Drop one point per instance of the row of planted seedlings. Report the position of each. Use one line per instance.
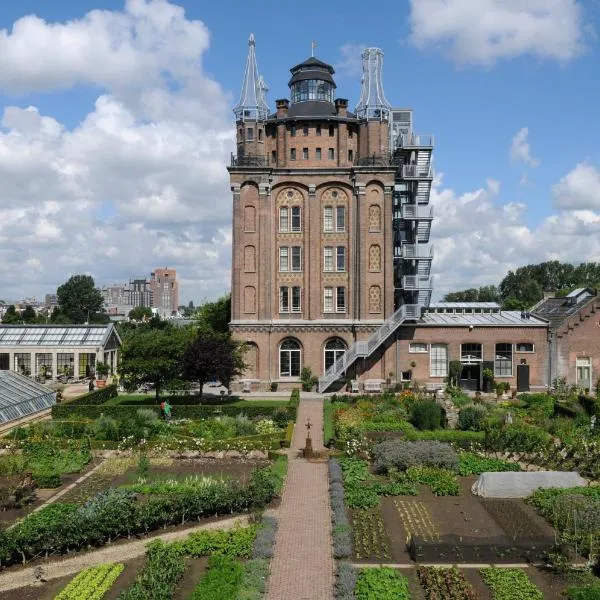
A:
(236, 567)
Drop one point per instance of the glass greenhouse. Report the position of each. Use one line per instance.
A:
(20, 396)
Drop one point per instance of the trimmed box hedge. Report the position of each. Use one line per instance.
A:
(99, 396)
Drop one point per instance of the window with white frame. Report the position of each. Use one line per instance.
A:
(340, 258)
(328, 218)
(418, 347)
(524, 347)
(438, 357)
(334, 350)
(471, 353)
(289, 359)
(284, 222)
(296, 258)
(284, 258)
(289, 299)
(296, 215)
(503, 360)
(328, 258)
(290, 219)
(583, 367)
(334, 299)
(340, 218)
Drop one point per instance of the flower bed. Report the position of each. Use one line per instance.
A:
(92, 583)
(510, 584)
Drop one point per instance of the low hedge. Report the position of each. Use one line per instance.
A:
(460, 439)
(289, 434)
(193, 412)
(99, 396)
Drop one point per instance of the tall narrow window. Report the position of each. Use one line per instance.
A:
(318, 153)
(331, 130)
(293, 131)
(284, 299)
(350, 155)
(328, 300)
(503, 363)
(292, 153)
(305, 153)
(305, 130)
(250, 134)
(284, 224)
(340, 218)
(296, 218)
(296, 258)
(583, 366)
(318, 130)
(328, 218)
(438, 365)
(289, 359)
(328, 258)
(334, 350)
(340, 258)
(340, 300)
(284, 259)
(331, 154)
(260, 135)
(296, 299)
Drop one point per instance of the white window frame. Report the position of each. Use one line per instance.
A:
(289, 352)
(284, 259)
(340, 210)
(340, 253)
(433, 357)
(532, 351)
(284, 219)
(418, 348)
(336, 352)
(328, 215)
(296, 257)
(328, 302)
(328, 259)
(295, 228)
(583, 362)
(501, 362)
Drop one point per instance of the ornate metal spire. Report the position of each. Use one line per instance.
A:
(252, 105)
(372, 104)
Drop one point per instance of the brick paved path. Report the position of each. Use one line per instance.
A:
(302, 567)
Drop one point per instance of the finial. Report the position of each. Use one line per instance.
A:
(252, 105)
(251, 40)
(313, 45)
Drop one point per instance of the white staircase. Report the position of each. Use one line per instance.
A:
(365, 348)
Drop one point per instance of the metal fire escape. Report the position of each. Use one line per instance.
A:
(412, 215)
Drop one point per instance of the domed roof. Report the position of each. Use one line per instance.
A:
(312, 63)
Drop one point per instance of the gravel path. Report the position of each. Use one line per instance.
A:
(111, 553)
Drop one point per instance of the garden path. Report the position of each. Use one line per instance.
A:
(303, 567)
(120, 552)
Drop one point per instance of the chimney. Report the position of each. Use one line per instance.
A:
(341, 107)
(282, 106)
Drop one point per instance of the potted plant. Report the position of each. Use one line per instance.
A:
(102, 370)
(488, 380)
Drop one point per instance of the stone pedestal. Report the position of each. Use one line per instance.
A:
(307, 451)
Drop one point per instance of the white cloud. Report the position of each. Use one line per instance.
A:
(579, 189)
(520, 149)
(478, 239)
(141, 180)
(480, 32)
(350, 61)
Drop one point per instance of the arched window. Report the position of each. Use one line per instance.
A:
(289, 359)
(334, 349)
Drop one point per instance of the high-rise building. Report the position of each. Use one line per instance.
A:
(331, 223)
(165, 290)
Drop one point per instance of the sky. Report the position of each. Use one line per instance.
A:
(116, 128)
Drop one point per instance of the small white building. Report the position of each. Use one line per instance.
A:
(48, 351)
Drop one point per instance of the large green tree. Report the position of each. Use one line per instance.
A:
(78, 299)
(213, 356)
(11, 315)
(154, 355)
(140, 313)
(29, 315)
(215, 316)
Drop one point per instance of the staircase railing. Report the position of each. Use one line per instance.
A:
(366, 347)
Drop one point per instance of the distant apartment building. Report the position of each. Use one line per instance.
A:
(165, 290)
(50, 301)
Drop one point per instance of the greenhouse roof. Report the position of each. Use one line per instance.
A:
(21, 396)
(55, 335)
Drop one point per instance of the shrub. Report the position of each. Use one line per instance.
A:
(105, 428)
(345, 581)
(403, 455)
(473, 464)
(516, 438)
(587, 592)
(426, 415)
(539, 406)
(244, 426)
(265, 426)
(441, 481)
(47, 480)
(96, 397)
(459, 439)
(274, 385)
(471, 418)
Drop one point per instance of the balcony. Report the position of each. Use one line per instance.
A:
(419, 212)
(417, 172)
(414, 251)
(411, 140)
(250, 160)
(414, 282)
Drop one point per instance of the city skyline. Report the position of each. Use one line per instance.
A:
(110, 167)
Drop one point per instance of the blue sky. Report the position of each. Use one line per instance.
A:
(475, 72)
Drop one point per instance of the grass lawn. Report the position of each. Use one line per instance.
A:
(148, 400)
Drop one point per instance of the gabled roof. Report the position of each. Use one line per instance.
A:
(558, 310)
(21, 396)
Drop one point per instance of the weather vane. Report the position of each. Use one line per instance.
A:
(313, 45)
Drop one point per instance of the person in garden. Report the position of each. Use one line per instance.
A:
(167, 409)
(162, 409)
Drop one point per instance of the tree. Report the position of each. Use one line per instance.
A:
(154, 355)
(140, 313)
(59, 318)
(11, 315)
(486, 293)
(213, 356)
(79, 299)
(215, 316)
(29, 315)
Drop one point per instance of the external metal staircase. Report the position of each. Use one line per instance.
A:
(365, 348)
